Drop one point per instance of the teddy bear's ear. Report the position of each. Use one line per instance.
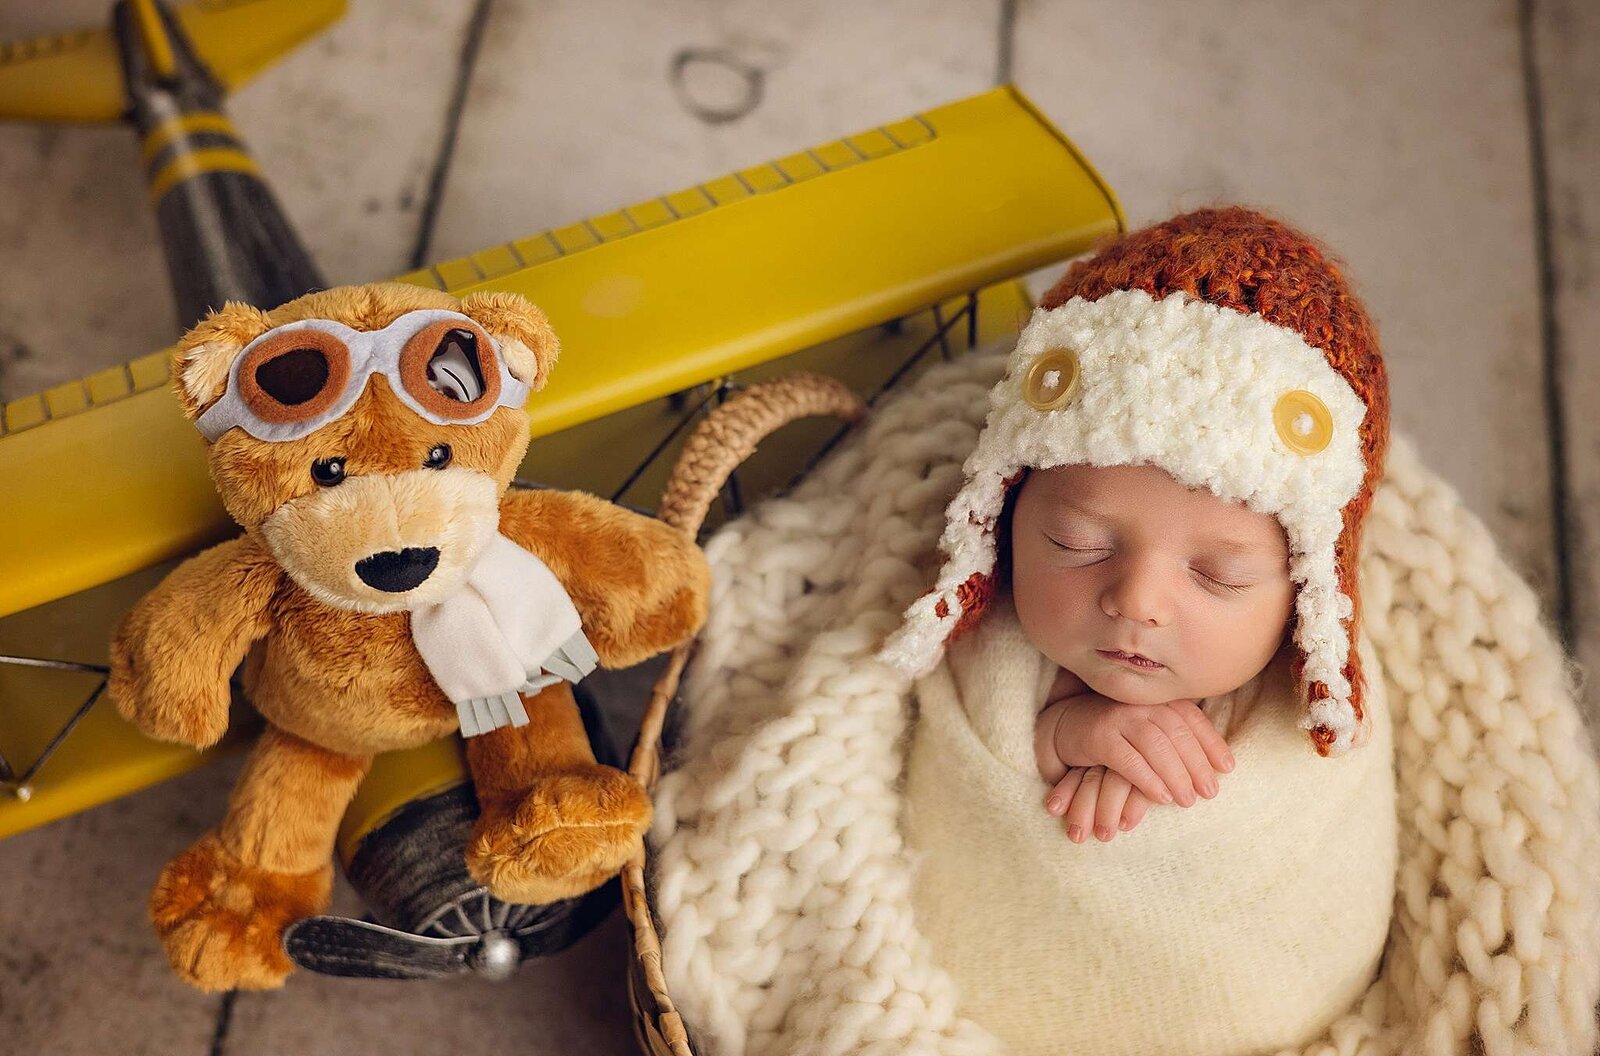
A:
(524, 335)
(206, 354)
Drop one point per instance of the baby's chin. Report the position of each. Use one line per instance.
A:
(1136, 687)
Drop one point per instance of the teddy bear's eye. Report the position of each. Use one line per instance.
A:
(438, 456)
(328, 471)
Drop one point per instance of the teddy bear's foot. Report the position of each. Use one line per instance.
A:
(222, 921)
(568, 834)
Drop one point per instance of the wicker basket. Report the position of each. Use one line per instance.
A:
(726, 437)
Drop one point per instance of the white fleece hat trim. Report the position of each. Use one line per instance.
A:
(1190, 387)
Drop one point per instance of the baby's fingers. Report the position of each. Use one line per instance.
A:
(1133, 812)
(1126, 759)
(1211, 741)
(1201, 774)
(1114, 791)
(1061, 796)
(1080, 814)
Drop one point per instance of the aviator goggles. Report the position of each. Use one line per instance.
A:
(296, 378)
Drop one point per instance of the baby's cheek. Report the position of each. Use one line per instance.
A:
(1046, 610)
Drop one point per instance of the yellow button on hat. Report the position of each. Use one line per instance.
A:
(1303, 422)
(1052, 380)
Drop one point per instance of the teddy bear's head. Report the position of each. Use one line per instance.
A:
(367, 433)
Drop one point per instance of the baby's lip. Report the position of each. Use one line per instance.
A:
(1128, 653)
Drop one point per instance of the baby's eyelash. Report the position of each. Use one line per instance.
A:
(1235, 588)
(1078, 549)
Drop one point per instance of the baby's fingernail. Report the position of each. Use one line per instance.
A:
(1166, 796)
(1230, 761)
(1075, 833)
(1053, 805)
(1123, 825)
(1102, 832)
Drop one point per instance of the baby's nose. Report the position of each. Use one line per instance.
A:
(1139, 595)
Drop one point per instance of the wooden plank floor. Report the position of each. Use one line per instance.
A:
(1450, 159)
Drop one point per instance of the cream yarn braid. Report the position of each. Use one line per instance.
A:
(781, 880)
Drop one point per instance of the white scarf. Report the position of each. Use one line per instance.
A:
(510, 628)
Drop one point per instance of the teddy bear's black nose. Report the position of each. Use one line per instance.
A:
(397, 571)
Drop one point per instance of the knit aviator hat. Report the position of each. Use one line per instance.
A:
(1226, 348)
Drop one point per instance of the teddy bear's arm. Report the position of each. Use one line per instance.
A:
(639, 585)
(174, 651)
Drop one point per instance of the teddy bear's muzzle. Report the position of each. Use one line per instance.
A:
(397, 571)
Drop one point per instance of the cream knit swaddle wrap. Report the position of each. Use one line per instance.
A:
(1244, 923)
(778, 868)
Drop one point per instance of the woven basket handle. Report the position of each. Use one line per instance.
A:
(724, 439)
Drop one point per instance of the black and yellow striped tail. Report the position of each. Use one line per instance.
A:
(222, 232)
(165, 71)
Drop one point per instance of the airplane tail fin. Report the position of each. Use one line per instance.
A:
(79, 75)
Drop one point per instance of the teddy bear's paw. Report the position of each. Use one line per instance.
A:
(198, 719)
(568, 834)
(222, 921)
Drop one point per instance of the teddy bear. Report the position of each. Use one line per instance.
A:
(389, 588)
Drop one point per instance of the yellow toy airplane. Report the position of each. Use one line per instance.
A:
(854, 258)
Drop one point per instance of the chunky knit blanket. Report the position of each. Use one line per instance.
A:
(782, 879)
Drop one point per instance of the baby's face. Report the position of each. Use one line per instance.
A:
(1125, 558)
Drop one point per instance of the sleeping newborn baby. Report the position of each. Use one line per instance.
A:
(1161, 597)
(1147, 623)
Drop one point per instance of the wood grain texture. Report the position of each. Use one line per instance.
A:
(1566, 55)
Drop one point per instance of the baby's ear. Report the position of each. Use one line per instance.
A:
(521, 330)
(206, 354)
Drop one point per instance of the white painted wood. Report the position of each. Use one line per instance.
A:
(81, 970)
(574, 109)
(1567, 50)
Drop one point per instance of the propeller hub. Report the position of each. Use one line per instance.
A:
(496, 956)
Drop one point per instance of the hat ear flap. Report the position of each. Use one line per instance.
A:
(526, 340)
(1346, 553)
(1346, 559)
(205, 354)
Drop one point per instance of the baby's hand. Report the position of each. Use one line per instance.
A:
(1166, 751)
(1101, 798)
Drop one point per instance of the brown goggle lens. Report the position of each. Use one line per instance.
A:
(450, 369)
(294, 376)
(454, 370)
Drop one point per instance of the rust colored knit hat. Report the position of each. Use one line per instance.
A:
(1226, 348)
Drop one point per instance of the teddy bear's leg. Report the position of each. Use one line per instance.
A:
(221, 906)
(555, 823)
